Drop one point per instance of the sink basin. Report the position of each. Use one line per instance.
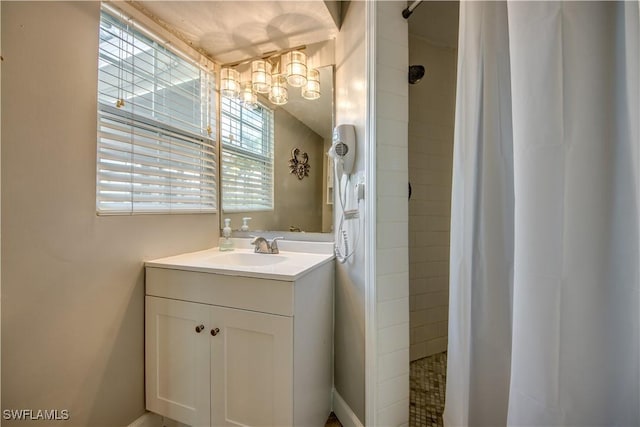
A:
(247, 259)
(288, 265)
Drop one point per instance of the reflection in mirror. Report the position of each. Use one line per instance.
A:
(301, 134)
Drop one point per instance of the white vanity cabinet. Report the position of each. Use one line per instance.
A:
(228, 350)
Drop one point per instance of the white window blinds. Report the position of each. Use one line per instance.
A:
(156, 116)
(247, 157)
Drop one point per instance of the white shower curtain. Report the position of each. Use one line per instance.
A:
(544, 325)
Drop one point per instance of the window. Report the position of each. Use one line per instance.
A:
(156, 111)
(247, 157)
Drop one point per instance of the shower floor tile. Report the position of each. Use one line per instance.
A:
(426, 400)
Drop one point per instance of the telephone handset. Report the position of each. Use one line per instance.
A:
(343, 148)
(343, 152)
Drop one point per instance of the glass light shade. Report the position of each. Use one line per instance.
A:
(261, 76)
(229, 83)
(296, 68)
(311, 90)
(279, 93)
(248, 98)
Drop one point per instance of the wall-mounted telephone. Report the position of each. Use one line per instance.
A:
(343, 152)
(343, 148)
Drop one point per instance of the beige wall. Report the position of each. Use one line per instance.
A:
(351, 108)
(297, 202)
(72, 282)
(431, 120)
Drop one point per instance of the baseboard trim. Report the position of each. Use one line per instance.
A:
(148, 419)
(343, 411)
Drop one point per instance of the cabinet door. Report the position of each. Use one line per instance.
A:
(177, 360)
(251, 368)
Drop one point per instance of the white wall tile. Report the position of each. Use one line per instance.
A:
(393, 183)
(391, 105)
(393, 312)
(392, 158)
(392, 286)
(425, 332)
(391, 365)
(442, 223)
(392, 54)
(391, 25)
(392, 390)
(432, 300)
(417, 317)
(392, 261)
(443, 328)
(418, 255)
(437, 345)
(418, 351)
(392, 80)
(393, 338)
(392, 235)
(391, 132)
(394, 209)
(430, 136)
(394, 415)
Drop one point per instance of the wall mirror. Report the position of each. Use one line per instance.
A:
(301, 173)
(232, 32)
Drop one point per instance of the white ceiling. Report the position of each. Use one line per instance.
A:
(436, 21)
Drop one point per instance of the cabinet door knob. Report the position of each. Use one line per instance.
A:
(199, 328)
(215, 332)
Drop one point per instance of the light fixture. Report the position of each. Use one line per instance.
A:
(279, 94)
(295, 63)
(271, 75)
(229, 82)
(261, 75)
(248, 98)
(311, 90)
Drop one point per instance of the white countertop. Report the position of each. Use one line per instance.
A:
(289, 265)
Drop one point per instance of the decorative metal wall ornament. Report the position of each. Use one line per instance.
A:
(299, 163)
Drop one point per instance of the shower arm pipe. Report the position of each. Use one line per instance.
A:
(409, 10)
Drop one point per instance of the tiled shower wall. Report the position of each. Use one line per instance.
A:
(431, 120)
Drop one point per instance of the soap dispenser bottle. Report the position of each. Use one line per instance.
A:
(226, 244)
(245, 224)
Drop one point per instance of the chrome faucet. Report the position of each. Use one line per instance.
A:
(263, 246)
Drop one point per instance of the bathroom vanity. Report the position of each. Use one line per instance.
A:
(238, 338)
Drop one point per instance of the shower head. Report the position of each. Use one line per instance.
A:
(416, 72)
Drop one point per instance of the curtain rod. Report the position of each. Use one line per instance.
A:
(409, 10)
